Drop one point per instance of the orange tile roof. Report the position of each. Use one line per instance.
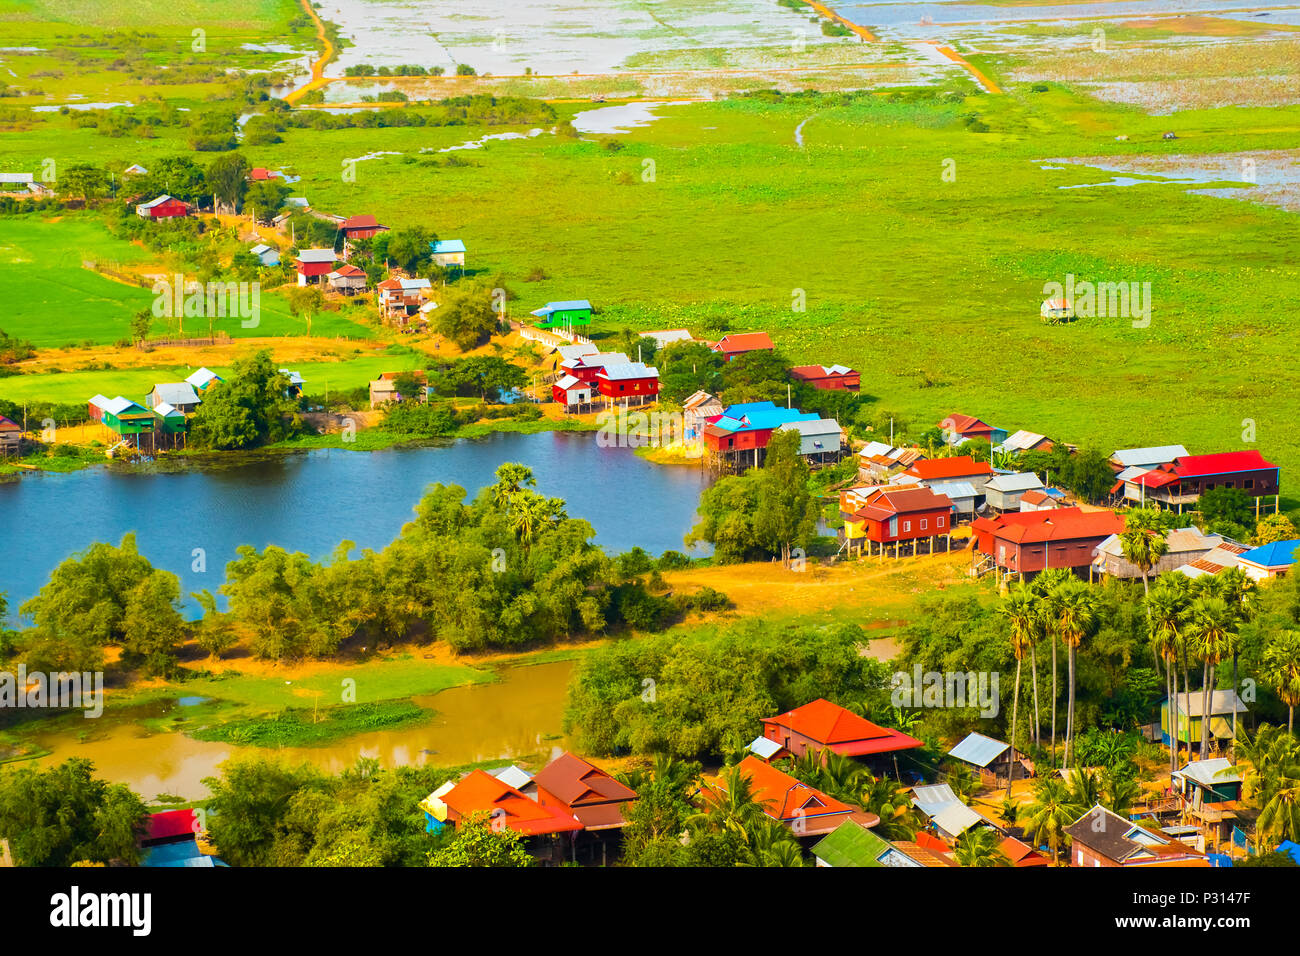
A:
(931, 469)
(1021, 854)
(1062, 524)
(841, 730)
(784, 798)
(576, 782)
(743, 342)
(481, 791)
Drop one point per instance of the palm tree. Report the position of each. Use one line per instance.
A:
(886, 799)
(1213, 634)
(1119, 791)
(979, 846)
(1143, 546)
(1272, 782)
(1020, 610)
(774, 845)
(1076, 619)
(1085, 787)
(1045, 585)
(1166, 606)
(1050, 812)
(511, 479)
(734, 811)
(1240, 593)
(1281, 669)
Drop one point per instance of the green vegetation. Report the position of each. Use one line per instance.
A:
(300, 727)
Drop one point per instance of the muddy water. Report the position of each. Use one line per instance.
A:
(519, 714)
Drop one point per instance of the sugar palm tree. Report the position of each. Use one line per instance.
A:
(1143, 546)
(1212, 631)
(1166, 607)
(1021, 612)
(979, 846)
(1045, 586)
(1281, 669)
(1076, 620)
(1240, 592)
(1049, 813)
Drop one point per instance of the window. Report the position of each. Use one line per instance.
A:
(938, 522)
(1248, 484)
(922, 524)
(907, 525)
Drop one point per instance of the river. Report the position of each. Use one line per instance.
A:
(310, 501)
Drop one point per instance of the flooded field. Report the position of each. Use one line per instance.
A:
(1271, 177)
(522, 713)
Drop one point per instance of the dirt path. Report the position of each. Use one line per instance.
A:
(318, 78)
(969, 67)
(836, 18)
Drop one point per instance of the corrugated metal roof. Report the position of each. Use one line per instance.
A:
(316, 255)
(814, 426)
(763, 747)
(444, 246)
(1208, 773)
(1156, 455)
(568, 382)
(955, 819)
(979, 750)
(932, 798)
(953, 489)
(176, 393)
(628, 370)
(1015, 481)
(1021, 441)
(567, 305)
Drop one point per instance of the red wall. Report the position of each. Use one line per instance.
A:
(624, 388)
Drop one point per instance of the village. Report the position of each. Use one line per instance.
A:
(964, 484)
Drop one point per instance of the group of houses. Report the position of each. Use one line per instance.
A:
(589, 377)
(1019, 526)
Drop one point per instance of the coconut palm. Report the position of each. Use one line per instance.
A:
(1212, 632)
(1281, 670)
(979, 846)
(1119, 791)
(1049, 813)
(1076, 619)
(774, 845)
(734, 811)
(1085, 787)
(1166, 606)
(884, 798)
(1021, 612)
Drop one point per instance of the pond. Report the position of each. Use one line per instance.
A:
(310, 501)
(520, 714)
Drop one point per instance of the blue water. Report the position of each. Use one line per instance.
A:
(311, 501)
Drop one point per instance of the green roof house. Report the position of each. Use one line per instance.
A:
(564, 314)
(852, 844)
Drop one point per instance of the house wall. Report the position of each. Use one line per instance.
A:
(909, 527)
(1002, 500)
(627, 387)
(738, 441)
(1028, 558)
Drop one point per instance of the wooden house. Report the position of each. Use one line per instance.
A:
(127, 418)
(384, 389)
(805, 810)
(448, 252)
(1207, 792)
(358, 227)
(1002, 492)
(1022, 441)
(956, 468)
(1223, 703)
(622, 382)
(1270, 560)
(164, 207)
(1026, 542)
(348, 279)
(314, 264)
(878, 461)
(296, 382)
(179, 395)
(698, 410)
(480, 792)
(945, 811)
(739, 343)
(564, 314)
(957, 426)
(1042, 499)
(573, 393)
(266, 255)
(1181, 483)
(819, 439)
(990, 758)
(1183, 546)
(835, 378)
(894, 515)
(203, 379)
(401, 298)
(739, 438)
(821, 725)
(1103, 838)
(965, 499)
(587, 368)
(11, 435)
(583, 791)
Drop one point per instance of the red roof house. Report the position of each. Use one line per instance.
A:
(1183, 480)
(738, 343)
(11, 433)
(626, 380)
(170, 825)
(957, 468)
(821, 725)
(968, 426)
(903, 513)
(804, 809)
(833, 378)
(482, 792)
(1029, 541)
(361, 227)
(164, 207)
(582, 790)
(1022, 854)
(259, 174)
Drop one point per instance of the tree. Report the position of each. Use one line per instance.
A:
(83, 181)
(735, 811)
(1226, 506)
(980, 846)
(467, 316)
(1212, 631)
(306, 301)
(1166, 606)
(787, 512)
(1282, 671)
(141, 324)
(1142, 545)
(227, 178)
(248, 409)
(64, 815)
(265, 198)
(486, 375)
(409, 248)
(1049, 813)
(1021, 613)
(1076, 619)
(478, 841)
